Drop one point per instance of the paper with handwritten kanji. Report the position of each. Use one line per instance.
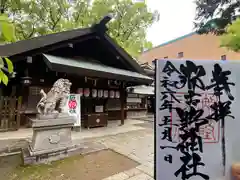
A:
(196, 119)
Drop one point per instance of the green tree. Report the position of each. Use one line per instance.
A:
(13, 5)
(219, 17)
(231, 39)
(40, 17)
(130, 22)
(214, 15)
(7, 35)
(128, 27)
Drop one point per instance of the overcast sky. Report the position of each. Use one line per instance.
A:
(176, 19)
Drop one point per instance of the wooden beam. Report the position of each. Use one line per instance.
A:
(51, 47)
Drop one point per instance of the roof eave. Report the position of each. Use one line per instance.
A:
(124, 54)
(24, 46)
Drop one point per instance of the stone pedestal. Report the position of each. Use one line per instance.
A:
(51, 139)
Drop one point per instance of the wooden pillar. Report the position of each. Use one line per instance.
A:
(123, 98)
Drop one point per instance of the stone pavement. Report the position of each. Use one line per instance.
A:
(148, 117)
(15, 140)
(138, 146)
(112, 128)
(134, 140)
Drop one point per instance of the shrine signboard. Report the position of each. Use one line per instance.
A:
(197, 119)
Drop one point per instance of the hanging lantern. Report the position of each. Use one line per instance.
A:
(100, 93)
(117, 94)
(111, 94)
(86, 92)
(26, 80)
(80, 91)
(94, 93)
(105, 93)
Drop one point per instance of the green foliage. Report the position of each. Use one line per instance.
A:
(130, 23)
(231, 39)
(7, 35)
(7, 30)
(217, 13)
(128, 27)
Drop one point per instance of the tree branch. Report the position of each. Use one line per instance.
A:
(54, 22)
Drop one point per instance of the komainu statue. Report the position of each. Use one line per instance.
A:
(55, 100)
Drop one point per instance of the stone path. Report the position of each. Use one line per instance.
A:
(112, 128)
(148, 117)
(15, 140)
(134, 140)
(137, 145)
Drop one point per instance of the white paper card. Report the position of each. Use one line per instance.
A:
(197, 119)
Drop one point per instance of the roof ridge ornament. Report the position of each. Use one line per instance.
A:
(101, 26)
